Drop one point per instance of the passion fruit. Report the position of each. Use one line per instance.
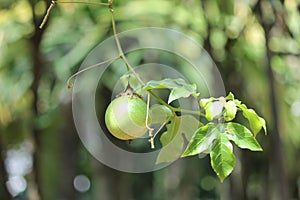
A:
(125, 116)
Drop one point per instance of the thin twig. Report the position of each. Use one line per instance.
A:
(128, 65)
(88, 68)
(84, 2)
(110, 3)
(47, 14)
(155, 134)
(77, 2)
(151, 139)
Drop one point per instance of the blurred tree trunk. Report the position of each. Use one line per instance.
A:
(37, 65)
(69, 155)
(35, 132)
(4, 194)
(115, 185)
(277, 171)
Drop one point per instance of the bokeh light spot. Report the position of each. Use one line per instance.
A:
(82, 183)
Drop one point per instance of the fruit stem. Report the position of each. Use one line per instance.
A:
(151, 140)
(187, 111)
(173, 108)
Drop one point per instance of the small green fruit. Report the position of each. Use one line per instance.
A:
(125, 117)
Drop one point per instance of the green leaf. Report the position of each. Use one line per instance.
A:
(213, 109)
(172, 129)
(256, 122)
(221, 157)
(203, 102)
(160, 114)
(202, 140)
(172, 151)
(172, 140)
(165, 83)
(230, 96)
(263, 123)
(230, 110)
(130, 79)
(237, 102)
(209, 111)
(242, 136)
(177, 93)
(179, 88)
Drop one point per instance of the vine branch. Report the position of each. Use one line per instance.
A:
(53, 3)
(88, 68)
(122, 55)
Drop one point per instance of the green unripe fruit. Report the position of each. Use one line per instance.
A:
(125, 117)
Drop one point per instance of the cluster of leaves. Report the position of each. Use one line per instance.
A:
(212, 135)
